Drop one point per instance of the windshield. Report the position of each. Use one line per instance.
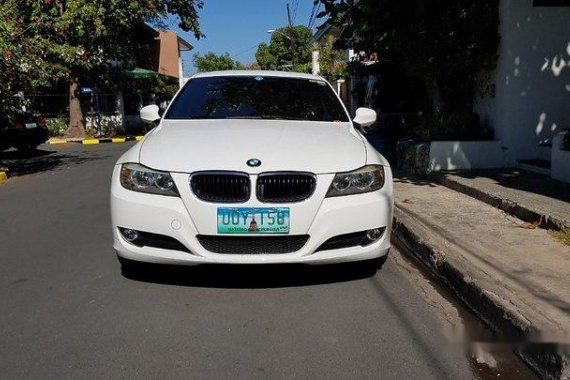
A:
(257, 97)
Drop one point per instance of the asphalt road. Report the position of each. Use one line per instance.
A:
(66, 311)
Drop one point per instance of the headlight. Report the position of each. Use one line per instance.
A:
(364, 180)
(136, 177)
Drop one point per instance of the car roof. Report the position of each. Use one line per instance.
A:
(251, 73)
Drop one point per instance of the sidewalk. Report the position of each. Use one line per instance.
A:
(526, 195)
(515, 279)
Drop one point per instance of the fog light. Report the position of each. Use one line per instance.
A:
(375, 234)
(130, 235)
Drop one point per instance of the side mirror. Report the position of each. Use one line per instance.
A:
(149, 114)
(365, 117)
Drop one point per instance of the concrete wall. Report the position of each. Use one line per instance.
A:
(532, 79)
(560, 159)
(169, 61)
(454, 155)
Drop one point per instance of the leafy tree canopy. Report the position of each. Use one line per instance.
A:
(43, 41)
(447, 44)
(289, 47)
(332, 61)
(213, 62)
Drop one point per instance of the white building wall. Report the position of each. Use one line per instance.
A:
(532, 79)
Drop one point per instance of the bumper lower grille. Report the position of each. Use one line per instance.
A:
(254, 245)
(285, 187)
(221, 187)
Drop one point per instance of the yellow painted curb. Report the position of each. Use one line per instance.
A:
(139, 138)
(3, 178)
(90, 141)
(57, 141)
(118, 139)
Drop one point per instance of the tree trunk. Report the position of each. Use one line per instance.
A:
(76, 122)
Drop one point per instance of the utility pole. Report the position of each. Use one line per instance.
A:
(293, 50)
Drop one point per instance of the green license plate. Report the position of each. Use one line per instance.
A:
(253, 220)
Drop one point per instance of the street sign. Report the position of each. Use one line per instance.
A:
(86, 90)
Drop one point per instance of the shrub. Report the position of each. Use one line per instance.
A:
(452, 126)
(57, 127)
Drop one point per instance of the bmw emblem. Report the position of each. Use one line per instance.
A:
(253, 162)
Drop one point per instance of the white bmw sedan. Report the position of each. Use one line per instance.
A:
(253, 167)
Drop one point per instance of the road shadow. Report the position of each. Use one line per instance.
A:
(23, 163)
(248, 276)
(403, 176)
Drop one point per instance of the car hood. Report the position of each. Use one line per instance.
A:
(193, 145)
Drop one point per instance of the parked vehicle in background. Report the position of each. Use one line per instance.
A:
(24, 132)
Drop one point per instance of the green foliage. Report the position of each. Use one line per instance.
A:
(264, 58)
(161, 88)
(164, 88)
(21, 56)
(57, 127)
(303, 68)
(446, 44)
(42, 42)
(331, 60)
(289, 47)
(213, 62)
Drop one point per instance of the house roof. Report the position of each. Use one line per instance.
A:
(184, 45)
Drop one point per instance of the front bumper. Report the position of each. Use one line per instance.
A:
(321, 219)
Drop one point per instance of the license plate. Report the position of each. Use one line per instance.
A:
(31, 125)
(256, 220)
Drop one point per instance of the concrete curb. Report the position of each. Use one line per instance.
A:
(89, 141)
(496, 312)
(510, 207)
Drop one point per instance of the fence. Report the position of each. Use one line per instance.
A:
(56, 106)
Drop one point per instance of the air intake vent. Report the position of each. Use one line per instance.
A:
(254, 245)
(285, 187)
(221, 187)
